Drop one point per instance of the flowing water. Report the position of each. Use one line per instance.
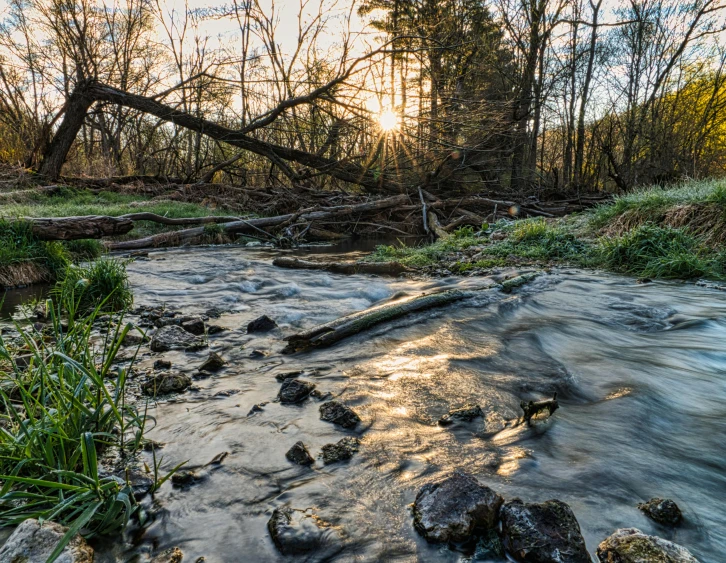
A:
(640, 372)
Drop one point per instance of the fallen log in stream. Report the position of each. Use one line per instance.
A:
(348, 268)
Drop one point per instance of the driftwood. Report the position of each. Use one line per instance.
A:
(329, 333)
(533, 408)
(436, 227)
(348, 268)
(153, 217)
(74, 228)
(255, 225)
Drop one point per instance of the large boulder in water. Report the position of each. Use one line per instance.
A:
(547, 532)
(337, 413)
(261, 324)
(295, 390)
(175, 338)
(630, 545)
(663, 511)
(32, 542)
(299, 454)
(455, 509)
(296, 532)
(342, 450)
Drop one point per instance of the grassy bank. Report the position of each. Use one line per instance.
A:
(677, 232)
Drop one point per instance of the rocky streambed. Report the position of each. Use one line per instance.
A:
(405, 442)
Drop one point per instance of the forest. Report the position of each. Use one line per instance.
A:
(362, 280)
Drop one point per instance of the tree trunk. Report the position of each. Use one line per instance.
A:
(74, 228)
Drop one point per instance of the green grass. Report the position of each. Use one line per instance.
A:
(536, 239)
(103, 282)
(69, 202)
(58, 414)
(426, 255)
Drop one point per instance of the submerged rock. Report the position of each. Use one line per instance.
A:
(337, 413)
(289, 375)
(32, 542)
(195, 325)
(175, 338)
(663, 511)
(630, 545)
(172, 555)
(261, 324)
(257, 408)
(215, 329)
(140, 481)
(341, 451)
(299, 454)
(467, 413)
(163, 383)
(185, 477)
(295, 390)
(162, 364)
(547, 532)
(214, 362)
(134, 339)
(455, 509)
(294, 531)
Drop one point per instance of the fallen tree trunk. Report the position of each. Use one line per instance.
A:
(75, 228)
(153, 217)
(256, 225)
(348, 268)
(329, 333)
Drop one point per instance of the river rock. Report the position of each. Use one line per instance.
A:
(341, 451)
(195, 325)
(261, 324)
(467, 413)
(175, 338)
(663, 511)
(299, 454)
(162, 383)
(295, 390)
(141, 482)
(214, 362)
(32, 542)
(185, 477)
(215, 329)
(294, 531)
(547, 532)
(134, 339)
(162, 364)
(172, 555)
(630, 545)
(455, 508)
(337, 413)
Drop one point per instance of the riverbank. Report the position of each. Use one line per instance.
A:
(671, 233)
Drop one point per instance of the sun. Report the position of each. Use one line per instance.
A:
(388, 121)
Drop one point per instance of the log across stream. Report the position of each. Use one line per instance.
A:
(638, 370)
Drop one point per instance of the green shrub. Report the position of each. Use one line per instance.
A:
(103, 283)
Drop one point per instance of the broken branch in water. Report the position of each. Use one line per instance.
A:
(533, 408)
(348, 268)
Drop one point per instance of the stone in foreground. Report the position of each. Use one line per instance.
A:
(33, 543)
(214, 362)
(467, 413)
(455, 509)
(175, 338)
(195, 325)
(299, 454)
(542, 533)
(663, 511)
(295, 532)
(337, 413)
(261, 324)
(630, 545)
(163, 383)
(295, 390)
(343, 450)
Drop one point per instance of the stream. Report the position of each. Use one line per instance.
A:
(639, 369)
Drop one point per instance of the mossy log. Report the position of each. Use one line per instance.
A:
(74, 228)
(327, 334)
(348, 268)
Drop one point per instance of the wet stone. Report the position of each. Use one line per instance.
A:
(261, 324)
(172, 555)
(140, 481)
(320, 396)
(295, 390)
(227, 393)
(337, 413)
(295, 532)
(663, 511)
(214, 362)
(32, 542)
(185, 478)
(175, 338)
(299, 454)
(341, 451)
(467, 413)
(455, 509)
(630, 545)
(547, 532)
(256, 408)
(215, 329)
(194, 325)
(162, 364)
(163, 383)
(288, 375)
(134, 339)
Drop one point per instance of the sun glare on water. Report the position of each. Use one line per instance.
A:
(388, 121)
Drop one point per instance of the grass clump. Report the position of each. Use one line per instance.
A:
(60, 409)
(536, 239)
(660, 252)
(100, 283)
(426, 255)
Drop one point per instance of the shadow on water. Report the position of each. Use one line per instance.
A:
(639, 370)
